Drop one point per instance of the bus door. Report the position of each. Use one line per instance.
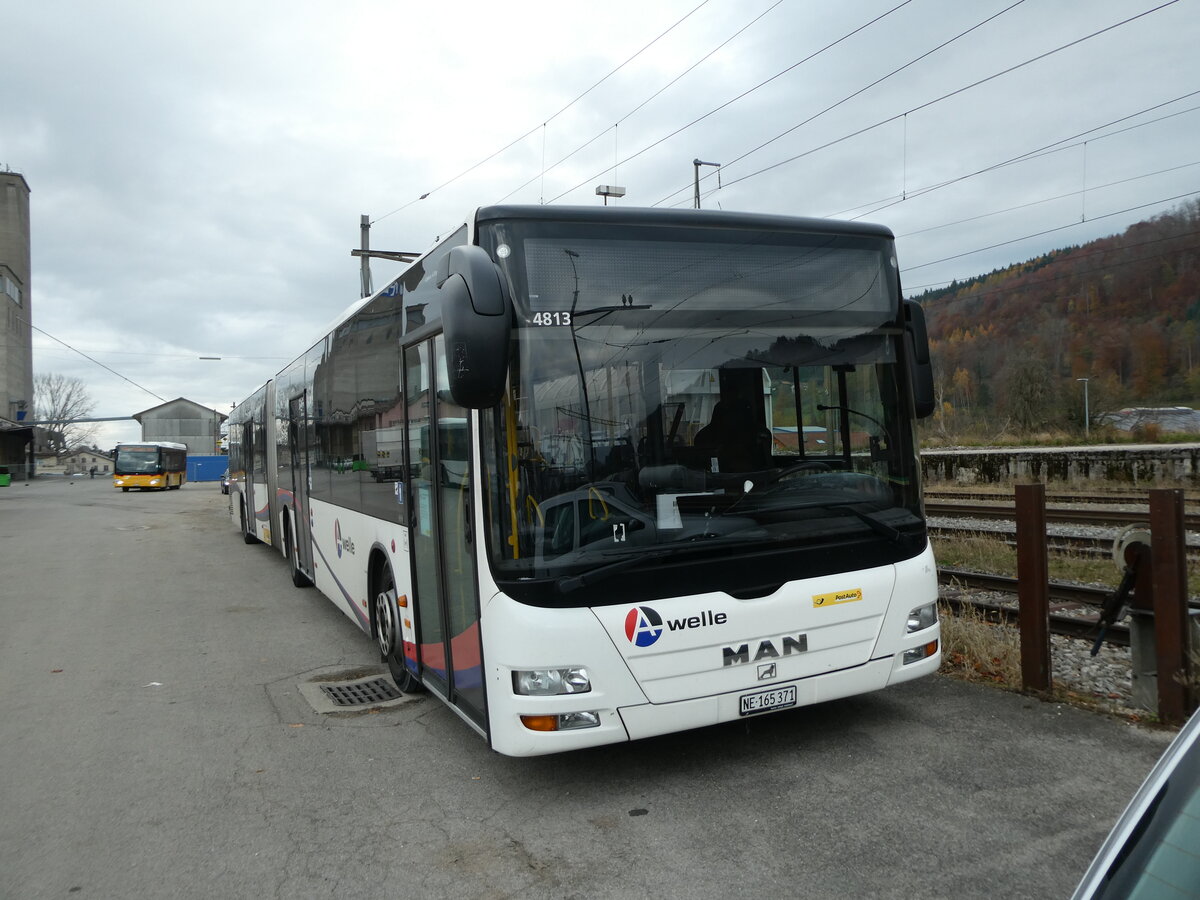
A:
(441, 534)
(298, 454)
(248, 498)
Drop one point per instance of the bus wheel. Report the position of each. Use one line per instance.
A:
(387, 631)
(125, 490)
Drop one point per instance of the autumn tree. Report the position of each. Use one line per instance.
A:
(1025, 393)
(61, 401)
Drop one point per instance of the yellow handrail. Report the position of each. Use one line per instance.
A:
(592, 491)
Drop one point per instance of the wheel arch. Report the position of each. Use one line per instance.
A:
(375, 563)
(289, 533)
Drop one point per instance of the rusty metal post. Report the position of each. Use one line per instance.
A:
(1172, 625)
(1033, 586)
(1141, 629)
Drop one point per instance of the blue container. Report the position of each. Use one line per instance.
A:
(206, 468)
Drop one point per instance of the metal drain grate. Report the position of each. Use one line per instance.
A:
(361, 693)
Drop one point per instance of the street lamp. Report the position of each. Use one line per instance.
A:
(1086, 414)
(609, 190)
(696, 164)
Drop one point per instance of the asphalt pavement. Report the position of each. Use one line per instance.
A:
(154, 742)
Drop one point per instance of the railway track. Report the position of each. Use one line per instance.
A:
(1074, 612)
(1078, 544)
(1062, 544)
(1113, 498)
(1075, 609)
(1105, 517)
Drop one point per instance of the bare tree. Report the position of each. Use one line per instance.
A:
(61, 401)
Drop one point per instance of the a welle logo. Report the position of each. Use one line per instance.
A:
(342, 543)
(644, 626)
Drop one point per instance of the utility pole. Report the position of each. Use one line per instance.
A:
(366, 253)
(365, 225)
(1087, 414)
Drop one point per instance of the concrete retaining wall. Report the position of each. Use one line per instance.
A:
(1136, 464)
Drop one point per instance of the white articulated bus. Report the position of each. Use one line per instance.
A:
(595, 474)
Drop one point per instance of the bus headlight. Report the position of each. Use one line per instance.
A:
(549, 682)
(563, 722)
(922, 617)
(916, 654)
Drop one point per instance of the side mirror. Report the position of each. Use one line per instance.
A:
(476, 321)
(918, 359)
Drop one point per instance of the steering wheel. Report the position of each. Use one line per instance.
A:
(812, 465)
(808, 466)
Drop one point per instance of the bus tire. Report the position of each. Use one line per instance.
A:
(125, 490)
(387, 631)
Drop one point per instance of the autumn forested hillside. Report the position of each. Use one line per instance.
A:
(1123, 312)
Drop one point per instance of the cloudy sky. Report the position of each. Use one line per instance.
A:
(198, 170)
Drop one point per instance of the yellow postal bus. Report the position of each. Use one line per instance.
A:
(152, 465)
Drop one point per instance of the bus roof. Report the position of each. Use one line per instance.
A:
(140, 445)
(634, 215)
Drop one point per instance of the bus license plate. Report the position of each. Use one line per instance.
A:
(767, 701)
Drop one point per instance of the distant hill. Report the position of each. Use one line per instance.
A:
(1122, 312)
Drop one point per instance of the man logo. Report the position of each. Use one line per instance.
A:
(643, 626)
(767, 672)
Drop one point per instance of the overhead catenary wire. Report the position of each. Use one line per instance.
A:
(221, 356)
(910, 194)
(1029, 155)
(1097, 187)
(949, 94)
(642, 105)
(739, 97)
(859, 92)
(1043, 233)
(546, 121)
(94, 360)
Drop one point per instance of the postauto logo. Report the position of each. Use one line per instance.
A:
(643, 626)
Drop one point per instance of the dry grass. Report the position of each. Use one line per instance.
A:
(978, 650)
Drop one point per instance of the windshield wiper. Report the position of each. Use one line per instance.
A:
(877, 525)
(569, 583)
(696, 544)
(870, 519)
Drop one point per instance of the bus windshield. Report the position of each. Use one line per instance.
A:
(137, 461)
(694, 394)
